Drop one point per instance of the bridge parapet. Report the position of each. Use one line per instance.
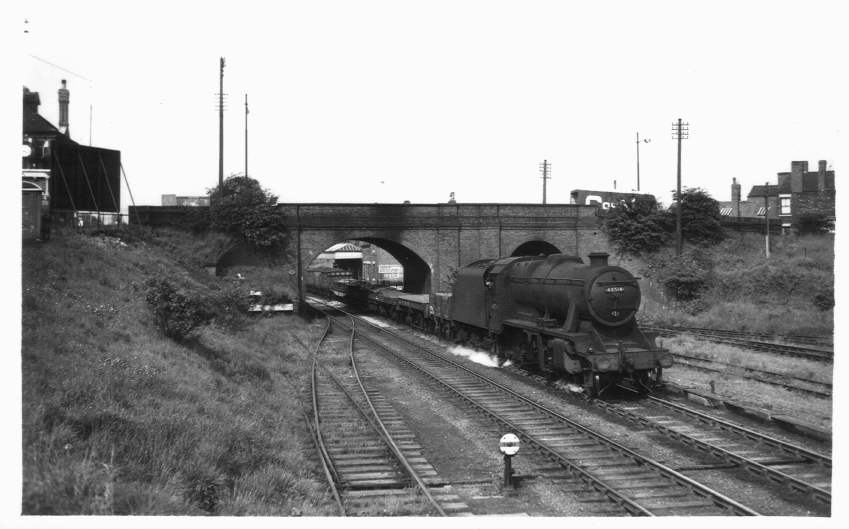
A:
(432, 216)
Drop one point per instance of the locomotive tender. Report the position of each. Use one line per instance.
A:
(564, 316)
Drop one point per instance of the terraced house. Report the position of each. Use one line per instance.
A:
(801, 201)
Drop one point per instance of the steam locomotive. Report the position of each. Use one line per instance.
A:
(566, 317)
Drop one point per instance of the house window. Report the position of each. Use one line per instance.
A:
(785, 206)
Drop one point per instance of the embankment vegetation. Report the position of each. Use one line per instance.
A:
(723, 278)
(147, 390)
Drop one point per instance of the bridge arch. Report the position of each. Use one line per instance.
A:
(414, 258)
(535, 247)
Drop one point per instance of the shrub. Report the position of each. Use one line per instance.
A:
(228, 307)
(824, 300)
(637, 227)
(684, 277)
(244, 208)
(699, 218)
(174, 313)
(814, 222)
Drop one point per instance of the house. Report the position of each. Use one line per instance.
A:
(799, 198)
(73, 181)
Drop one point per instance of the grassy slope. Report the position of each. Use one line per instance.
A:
(751, 293)
(120, 420)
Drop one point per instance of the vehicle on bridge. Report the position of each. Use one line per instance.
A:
(566, 317)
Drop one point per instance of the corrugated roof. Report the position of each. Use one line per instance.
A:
(348, 248)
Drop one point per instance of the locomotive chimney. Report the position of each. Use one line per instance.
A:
(599, 258)
(64, 97)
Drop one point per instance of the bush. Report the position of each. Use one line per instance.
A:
(229, 307)
(812, 223)
(175, 314)
(699, 218)
(638, 227)
(824, 300)
(684, 277)
(244, 208)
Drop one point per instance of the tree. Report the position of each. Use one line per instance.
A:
(244, 208)
(637, 227)
(699, 217)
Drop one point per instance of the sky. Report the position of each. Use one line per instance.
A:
(389, 101)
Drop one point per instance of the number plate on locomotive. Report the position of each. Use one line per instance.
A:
(614, 289)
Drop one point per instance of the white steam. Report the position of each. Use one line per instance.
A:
(478, 357)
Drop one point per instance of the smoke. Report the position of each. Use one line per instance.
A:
(478, 357)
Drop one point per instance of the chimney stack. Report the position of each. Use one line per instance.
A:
(735, 196)
(821, 177)
(64, 97)
(797, 174)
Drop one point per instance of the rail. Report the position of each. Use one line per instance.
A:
(630, 505)
(374, 417)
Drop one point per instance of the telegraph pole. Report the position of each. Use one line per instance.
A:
(246, 135)
(545, 169)
(680, 131)
(221, 126)
(638, 160)
(766, 216)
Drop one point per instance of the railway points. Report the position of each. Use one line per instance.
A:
(367, 452)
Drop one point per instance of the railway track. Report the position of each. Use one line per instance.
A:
(804, 471)
(789, 382)
(635, 484)
(813, 351)
(369, 456)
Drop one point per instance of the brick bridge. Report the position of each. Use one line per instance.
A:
(432, 240)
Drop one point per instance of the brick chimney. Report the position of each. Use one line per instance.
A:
(821, 177)
(31, 100)
(735, 196)
(797, 174)
(64, 98)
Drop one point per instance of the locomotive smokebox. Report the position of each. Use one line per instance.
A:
(548, 286)
(599, 258)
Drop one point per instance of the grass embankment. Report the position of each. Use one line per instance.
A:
(789, 293)
(118, 419)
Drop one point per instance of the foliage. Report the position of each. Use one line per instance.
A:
(699, 218)
(684, 277)
(792, 292)
(244, 208)
(637, 227)
(239, 190)
(174, 313)
(229, 306)
(812, 223)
